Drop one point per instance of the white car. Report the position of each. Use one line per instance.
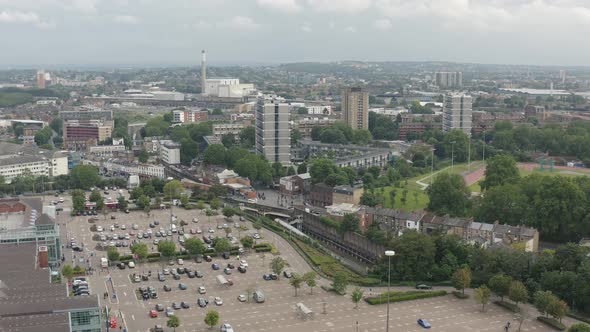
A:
(123, 227)
(242, 298)
(211, 230)
(135, 226)
(218, 300)
(170, 312)
(244, 263)
(131, 265)
(256, 236)
(112, 228)
(202, 290)
(226, 328)
(99, 228)
(166, 271)
(199, 231)
(180, 261)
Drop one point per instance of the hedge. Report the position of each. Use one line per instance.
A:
(552, 322)
(154, 254)
(404, 296)
(507, 305)
(578, 316)
(126, 258)
(263, 249)
(153, 259)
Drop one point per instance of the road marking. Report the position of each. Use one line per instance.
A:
(132, 317)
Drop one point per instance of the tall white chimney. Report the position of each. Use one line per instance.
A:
(203, 72)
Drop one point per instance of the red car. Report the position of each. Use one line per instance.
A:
(153, 314)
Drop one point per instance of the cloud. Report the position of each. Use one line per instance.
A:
(350, 29)
(280, 5)
(18, 17)
(242, 23)
(382, 24)
(126, 19)
(345, 6)
(306, 27)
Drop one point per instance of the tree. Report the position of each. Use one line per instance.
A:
(209, 213)
(214, 204)
(43, 136)
(173, 189)
(248, 137)
(222, 245)
(184, 200)
(543, 300)
(167, 248)
(228, 212)
(247, 242)
(302, 168)
(505, 202)
(96, 197)
(136, 193)
(291, 171)
(195, 246)
(277, 265)
(296, 281)
(311, 280)
(122, 203)
(173, 322)
(200, 205)
(67, 271)
(143, 201)
(84, 176)
(557, 309)
(57, 125)
(302, 110)
(500, 169)
(212, 318)
(392, 195)
(350, 223)
(296, 135)
(143, 156)
(448, 195)
(112, 254)
(228, 140)
(518, 292)
(500, 285)
(78, 200)
(414, 258)
(482, 296)
(461, 279)
(140, 249)
(340, 282)
(579, 328)
(215, 155)
(369, 199)
(357, 296)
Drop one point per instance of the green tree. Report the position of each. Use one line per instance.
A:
(247, 242)
(228, 140)
(557, 309)
(43, 136)
(195, 246)
(500, 285)
(277, 265)
(291, 171)
(215, 155)
(448, 195)
(357, 296)
(214, 204)
(248, 137)
(136, 193)
(518, 292)
(296, 135)
(57, 125)
(212, 318)
(96, 197)
(67, 271)
(302, 110)
(302, 168)
(369, 199)
(311, 280)
(228, 212)
(505, 202)
(200, 205)
(500, 170)
(184, 201)
(278, 170)
(140, 250)
(84, 176)
(143, 156)
(482, 296)
(142, 202)
(458, 149)
(543, 300)
(173, 322)
(461, 279)
(296, 281)
(579, 327)
(167, 248)
(414, 258)
(350, 223)
(340, 282)
(222, 245)
(122, 203)
(173, 189)
(78, 200)
(112, 254)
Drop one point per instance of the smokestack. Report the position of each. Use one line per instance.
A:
(203, 72)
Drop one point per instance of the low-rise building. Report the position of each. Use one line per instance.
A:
(106, 150)
(342, 209)
(299, 184)
(189, 116)
(17, 159)
(306, 125)
(320, 195)
(347, 194)
(171, 153)
(234, 128)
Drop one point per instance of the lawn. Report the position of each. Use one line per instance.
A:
(416, 198)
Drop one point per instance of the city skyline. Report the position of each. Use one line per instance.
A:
(145, 33)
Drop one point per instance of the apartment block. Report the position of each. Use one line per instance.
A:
(457, 112)
(273, 132)
(355, 108)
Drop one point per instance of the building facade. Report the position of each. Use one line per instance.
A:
(355, 108)
(234, 128)
(171, 153)
(188, 116)
(273, 132)
(449, 79)
(457, 113)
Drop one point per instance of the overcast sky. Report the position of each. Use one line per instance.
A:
(40, 33)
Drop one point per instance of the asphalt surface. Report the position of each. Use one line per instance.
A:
(330, 312)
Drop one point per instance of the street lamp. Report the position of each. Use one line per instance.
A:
(389, 254)
(169, 179)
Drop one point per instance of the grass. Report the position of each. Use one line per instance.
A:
(417, 198)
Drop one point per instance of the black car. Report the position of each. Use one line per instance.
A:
(231, 266)
(185, 305)
(423, 286)
(182, 286)
(202, 302)
(225, 255)
(242, 269)
(191, 274)
(152, 225)
(176, 276)
(167, 288)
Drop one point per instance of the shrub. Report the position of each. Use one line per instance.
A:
(153, 259)
(126, 258)
(507, 305)
(578, 316)
(460, 295)
(404, 296)
(154, 254)
(552, 322)
(183, 256)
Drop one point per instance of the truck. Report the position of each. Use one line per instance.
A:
(104, 262)
(223, 281)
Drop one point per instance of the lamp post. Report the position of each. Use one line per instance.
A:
(389, 254)
(170, 180)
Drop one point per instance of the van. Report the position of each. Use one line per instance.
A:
(173, 228)
(258, 296)
(104, 262)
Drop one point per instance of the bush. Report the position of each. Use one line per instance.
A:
(183, 256)
(154, 254)
(507, 305)
(404, 296)
(552, 322)
(93, 228)
(460, 295)
(153, 259)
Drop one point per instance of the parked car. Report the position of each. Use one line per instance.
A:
(274, 276)
(242, 298)
(423, 286)
(153, 314)
(167, 288)
(169, 312)
(182, 286)
(202, 302)
(185, 305)
(424, 323)
(202, 290)
(218, 300)
(287, 274)
(266, 277)
(226, 328)
(176, 305)
(159, 307)
(227, 271)
(242, 269)
(208, 258)
(199, 274)
(215, 266)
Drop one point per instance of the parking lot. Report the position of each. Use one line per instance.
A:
(330, 312)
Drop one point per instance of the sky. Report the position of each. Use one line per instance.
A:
(41, 33)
